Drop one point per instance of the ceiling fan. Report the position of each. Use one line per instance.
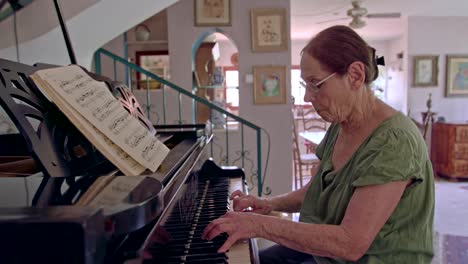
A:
(357, 13)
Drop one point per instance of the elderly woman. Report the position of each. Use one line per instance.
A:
(372, 199)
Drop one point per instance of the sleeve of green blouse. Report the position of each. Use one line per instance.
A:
(389, 156)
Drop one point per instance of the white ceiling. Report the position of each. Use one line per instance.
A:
(305, 14)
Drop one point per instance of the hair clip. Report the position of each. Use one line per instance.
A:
(380, 60)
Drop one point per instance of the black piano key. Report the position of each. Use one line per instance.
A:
(207, 258)
(194, 248)
(193, 257)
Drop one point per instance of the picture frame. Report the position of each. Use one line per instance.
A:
(269, 84)
(425, 70)
(156, 62)
(456, 83)
(212, 13)
(269, 32)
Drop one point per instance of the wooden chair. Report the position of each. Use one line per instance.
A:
(308, 161)
(312, 122)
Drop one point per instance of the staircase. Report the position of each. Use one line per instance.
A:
(38, 28)
(223, 150)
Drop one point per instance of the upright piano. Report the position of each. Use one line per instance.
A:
(49, 165)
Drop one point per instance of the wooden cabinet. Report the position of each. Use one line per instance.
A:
(449, 149)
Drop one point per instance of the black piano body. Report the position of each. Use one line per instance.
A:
(47, 227)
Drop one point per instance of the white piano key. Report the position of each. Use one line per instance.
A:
(239, 253)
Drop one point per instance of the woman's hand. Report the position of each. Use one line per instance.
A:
(236, 225)
(242, 203)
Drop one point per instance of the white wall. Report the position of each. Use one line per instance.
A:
(276, 119)
(437, 36)
(117, 47)
(380, 46)
(396, 85)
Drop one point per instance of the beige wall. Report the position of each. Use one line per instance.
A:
(440, 36)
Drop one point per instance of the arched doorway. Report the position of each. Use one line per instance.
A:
(215, 75)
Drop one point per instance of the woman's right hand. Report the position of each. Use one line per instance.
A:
(243, 202)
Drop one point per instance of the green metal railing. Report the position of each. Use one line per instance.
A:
(242, 122)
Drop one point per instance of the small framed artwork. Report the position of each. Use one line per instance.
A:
(212, 12)
(269, 84)
(425, 71)
(268, 29)
(457, 76)
(156, 62)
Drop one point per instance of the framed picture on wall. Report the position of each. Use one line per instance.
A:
(268, 29)
(212, 12)
(269, 84)
(457, 75)
(425, 71)
(156, 62)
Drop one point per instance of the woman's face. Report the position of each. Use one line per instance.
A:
(334, 98)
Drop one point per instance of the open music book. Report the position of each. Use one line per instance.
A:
(94, 110)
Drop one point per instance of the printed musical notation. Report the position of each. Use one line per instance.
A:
(135, 139)
(96, 104)
(105, 110)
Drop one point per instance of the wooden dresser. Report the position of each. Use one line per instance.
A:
(449, 149)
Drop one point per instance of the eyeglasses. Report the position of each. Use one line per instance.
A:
(315, 87)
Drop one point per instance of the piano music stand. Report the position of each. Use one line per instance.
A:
(57, 147)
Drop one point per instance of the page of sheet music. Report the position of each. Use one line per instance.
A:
(114, 153)
(95, 102)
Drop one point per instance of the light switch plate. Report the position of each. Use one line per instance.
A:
(248, 78)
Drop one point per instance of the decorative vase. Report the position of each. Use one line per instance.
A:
(142, 32)
(217, 78)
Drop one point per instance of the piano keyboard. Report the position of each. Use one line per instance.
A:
(179, 238)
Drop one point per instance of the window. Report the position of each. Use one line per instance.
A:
(296, 90)
(380, 84)
(232, 88)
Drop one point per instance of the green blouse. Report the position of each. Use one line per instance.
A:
(395, 151)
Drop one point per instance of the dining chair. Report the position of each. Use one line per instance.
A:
(312, 122)
(302, 162)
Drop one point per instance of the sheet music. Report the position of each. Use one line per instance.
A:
(115, 154)
(116, 191)
(94, 101)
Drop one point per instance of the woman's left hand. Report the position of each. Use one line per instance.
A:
(237, 225)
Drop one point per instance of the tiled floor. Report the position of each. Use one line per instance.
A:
(451, 210)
